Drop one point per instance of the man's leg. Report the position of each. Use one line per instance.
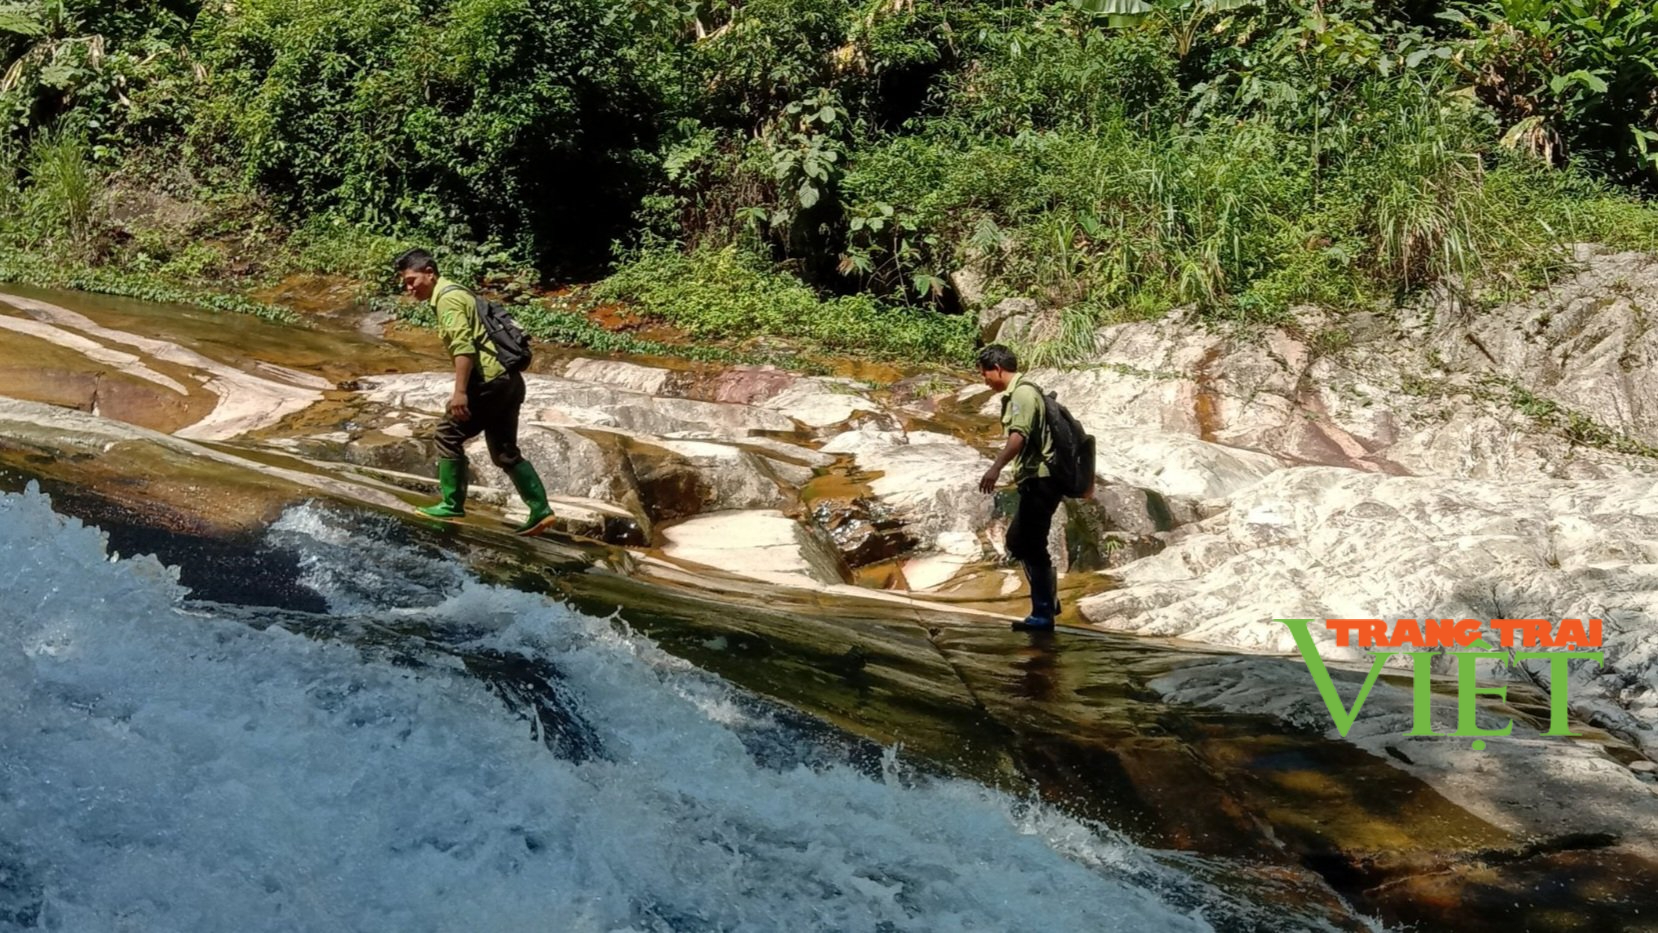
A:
(451, 439)
(1028, 542)
(501, 434)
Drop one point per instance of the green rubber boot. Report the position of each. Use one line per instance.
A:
(528, 483)
(452, 481)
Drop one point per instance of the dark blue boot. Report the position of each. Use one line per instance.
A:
(1044, 599)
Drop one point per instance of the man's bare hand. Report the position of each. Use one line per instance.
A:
(458, 409)
(987, 482)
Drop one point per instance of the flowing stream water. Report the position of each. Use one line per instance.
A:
(417, 750)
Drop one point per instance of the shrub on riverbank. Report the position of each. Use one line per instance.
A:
(726, 294)
(842, 171)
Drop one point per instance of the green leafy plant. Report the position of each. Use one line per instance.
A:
(61, 185)
(1186, 20)
(854, 175)
(727, 293)
(1568, 77)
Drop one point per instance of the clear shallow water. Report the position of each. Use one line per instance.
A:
(175, 765)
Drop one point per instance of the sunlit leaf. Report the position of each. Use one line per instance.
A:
(19, 20)
(1114, 7)
(1593, 82)
(58, 75)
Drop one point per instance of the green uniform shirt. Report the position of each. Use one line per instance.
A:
(462, 331)
(1023, 411)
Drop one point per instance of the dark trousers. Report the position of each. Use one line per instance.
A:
(1027, 542)
(1033, 519)
(494, 406)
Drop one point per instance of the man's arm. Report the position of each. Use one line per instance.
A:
(454, 326)
(1015, 443)
(464, 364)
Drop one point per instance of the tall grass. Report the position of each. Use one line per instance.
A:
(62, 183)
(1116, 220)
(1426, 195)
(1066, 340)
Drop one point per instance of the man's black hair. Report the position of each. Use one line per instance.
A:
(997, 356)
(418, 260)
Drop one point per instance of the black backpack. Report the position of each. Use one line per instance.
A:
(1072, 463)
(512, 345)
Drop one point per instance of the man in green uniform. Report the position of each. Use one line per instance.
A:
(1029, 447)
(486, 399)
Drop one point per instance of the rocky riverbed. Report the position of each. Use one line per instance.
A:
(1433, 461)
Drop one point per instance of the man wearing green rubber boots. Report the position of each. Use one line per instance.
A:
(486, 398)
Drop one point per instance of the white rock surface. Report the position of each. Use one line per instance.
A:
(569, 463)
(563, 401)
(735, 478)
(1324, 543)
(821, 403)
(1178, 464)
(647, 380)
(1414, 392)
(762, 545)
(1586, 342)
(934, 487)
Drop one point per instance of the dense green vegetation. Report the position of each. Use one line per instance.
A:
(850, 174)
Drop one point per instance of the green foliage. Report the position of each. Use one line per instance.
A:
(726, 293)
(61, 186)
(760, 67)
(1184, 20)
(333, 246)
(572, 328)
(1413, 188)
(85, 58)
(563, 324)
(1050, 75)
(1568, 78)
(1073, 341)
(1114, 219)
(827, 169)
(503, 122)
(805, 160)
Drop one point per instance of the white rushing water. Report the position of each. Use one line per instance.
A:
(166, 766)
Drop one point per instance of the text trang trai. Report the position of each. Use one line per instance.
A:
(1422, 640)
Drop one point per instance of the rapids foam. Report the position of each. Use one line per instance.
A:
(167, 767)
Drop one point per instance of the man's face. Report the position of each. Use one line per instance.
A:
(997, 378)
(418, 283)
